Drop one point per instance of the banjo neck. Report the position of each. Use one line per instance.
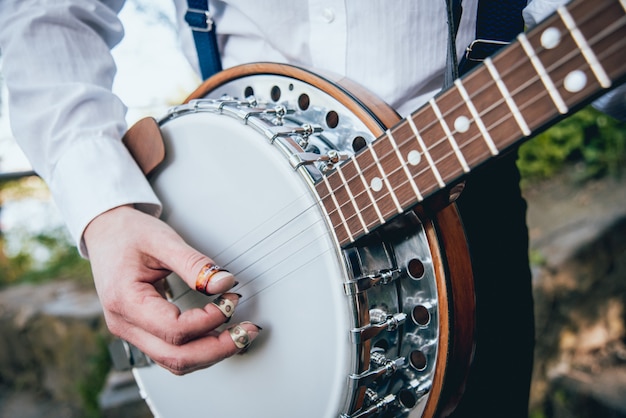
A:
(544, 75)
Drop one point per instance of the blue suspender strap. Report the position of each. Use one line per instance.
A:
(201, 22)
(498, 22)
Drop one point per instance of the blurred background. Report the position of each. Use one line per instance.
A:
(53, 341)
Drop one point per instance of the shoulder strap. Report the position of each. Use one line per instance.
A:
(201, 22)
(454, 18)
(498, 22)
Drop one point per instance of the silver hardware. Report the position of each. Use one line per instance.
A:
(368, 377)
(306, 158)
(125, 356)
(333, 158)
(366, 282)
(379, 406)
(390, 323)
(208, 19)
(470, 48)
(377, 316)
(385, 368)
(229, 101)
(278, 111)
(302, 132)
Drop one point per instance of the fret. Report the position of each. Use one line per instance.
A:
(446, 129)
(394, 171)
(533, 98)
(543, 74)
(361, 197)
(368, 191)
(609, 44)
(330, 208)
(466, 133)
(555, 46)
(584, 47)
(352, 200)
(476, 116)
(411, 155)
(507, 97)
(375, 184)
(425, 152)
(492, 107)
(343, 195)
(339, 211)
(416, 164)
(384, 180)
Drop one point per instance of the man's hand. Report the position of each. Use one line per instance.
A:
(130, 251)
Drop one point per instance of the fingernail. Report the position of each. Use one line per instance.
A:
(243, 336)
(220, 282)
(252, 323)
(226, 305)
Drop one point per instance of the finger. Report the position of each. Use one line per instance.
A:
(165, 321)
(227, 303)
(197, 354)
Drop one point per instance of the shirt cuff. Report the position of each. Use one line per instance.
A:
(93, 176)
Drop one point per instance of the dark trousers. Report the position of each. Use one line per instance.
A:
(494, 216)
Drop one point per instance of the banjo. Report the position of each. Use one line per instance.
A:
(338, 220)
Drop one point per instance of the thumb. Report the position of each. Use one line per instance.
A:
(201, 272)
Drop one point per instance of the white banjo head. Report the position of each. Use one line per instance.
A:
(234, 199)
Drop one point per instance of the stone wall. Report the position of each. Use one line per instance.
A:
(52, 347)
(578, 236)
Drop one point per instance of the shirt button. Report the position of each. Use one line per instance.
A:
(328, 14)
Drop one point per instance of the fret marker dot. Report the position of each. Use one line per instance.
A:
(550, 38)
(376, 184)
(462, 124)
(575, 81)
(414, 157)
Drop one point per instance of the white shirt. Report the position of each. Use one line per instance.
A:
(59, 72)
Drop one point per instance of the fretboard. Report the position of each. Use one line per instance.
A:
(545, 74)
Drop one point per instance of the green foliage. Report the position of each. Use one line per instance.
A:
(589, 137)
(44, 256)
(91, 386)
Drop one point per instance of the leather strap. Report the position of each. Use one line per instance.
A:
(145, 143)
(199, 18)
(498, 22)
